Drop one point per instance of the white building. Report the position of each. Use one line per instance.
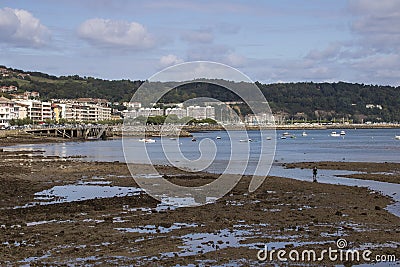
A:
(259, 118)
(6, 111)
(37, 111)
(20, 111)
(134, 105)
(149, 112)
(179, 112)
(199, 113)
(84, 109)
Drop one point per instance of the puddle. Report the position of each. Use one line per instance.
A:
(46, 222)
(70, 193)
(152, 229)
(82, 190)
(199, 243)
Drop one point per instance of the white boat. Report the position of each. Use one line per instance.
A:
(304, 134)
(218, 137)
(286, 134)
(335, 134)
(342, 133)
(397, 137)
(283, 137)
(147, 140)
(245, 140)
(269, 138)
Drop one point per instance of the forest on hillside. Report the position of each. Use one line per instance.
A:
(299, 101)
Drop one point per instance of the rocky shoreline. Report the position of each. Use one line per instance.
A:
(134, 229)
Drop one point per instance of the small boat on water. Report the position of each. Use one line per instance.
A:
(147, 140)
(194, 139)
(285, 134)
(342, 133)
(245, 140)
(269, 138)
(283, 137)
(304, 134)
(397, 137)
(218, 137)
(335, 134)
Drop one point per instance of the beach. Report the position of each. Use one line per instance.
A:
(131, 228)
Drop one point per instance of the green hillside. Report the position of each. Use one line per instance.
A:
(298, 101)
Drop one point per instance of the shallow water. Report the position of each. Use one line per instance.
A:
(82, 190)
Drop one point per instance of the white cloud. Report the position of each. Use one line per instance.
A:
(198, 36)
(331, 51)
(20, 28)
(169, 60)
(112, 33)
(235, 60)
(376, 24)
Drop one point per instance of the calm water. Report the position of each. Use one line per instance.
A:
(365, 145)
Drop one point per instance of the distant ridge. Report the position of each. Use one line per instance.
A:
(292, 101)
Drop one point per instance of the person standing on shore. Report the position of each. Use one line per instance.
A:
(314, 172)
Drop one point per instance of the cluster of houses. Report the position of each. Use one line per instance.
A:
(28, 105)
(80, 110)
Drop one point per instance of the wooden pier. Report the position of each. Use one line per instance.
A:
(92, 132)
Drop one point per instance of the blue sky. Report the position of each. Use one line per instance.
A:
(270, 41)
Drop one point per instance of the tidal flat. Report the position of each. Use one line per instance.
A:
(62, 211)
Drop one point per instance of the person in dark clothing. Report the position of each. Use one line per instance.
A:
(314, 173)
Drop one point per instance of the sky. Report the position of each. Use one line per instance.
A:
(269, 41)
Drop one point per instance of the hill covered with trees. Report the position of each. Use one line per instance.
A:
(298, 101)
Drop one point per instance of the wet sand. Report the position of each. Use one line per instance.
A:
(136, 230)
(382, 172)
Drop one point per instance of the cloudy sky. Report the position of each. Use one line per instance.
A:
(270, 41)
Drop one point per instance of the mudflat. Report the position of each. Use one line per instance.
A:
(128, 227)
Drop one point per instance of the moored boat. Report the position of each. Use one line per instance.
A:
(147, 140)
(334, 134)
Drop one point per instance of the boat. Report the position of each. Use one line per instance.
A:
(304, 134)
(342, 133)
(172, 138)
(218, 137)
(194, 139)
(397, 137)
(335, 134)
(147, 140)
(283, 137)
(269, 138)
(286, 134)
(245, 140)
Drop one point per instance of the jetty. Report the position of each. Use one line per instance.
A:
(87, 132)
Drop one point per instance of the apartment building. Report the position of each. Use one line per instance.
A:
(179, 112)
(6, 111)
(84, 109)
(36, 110)
(199, 113)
